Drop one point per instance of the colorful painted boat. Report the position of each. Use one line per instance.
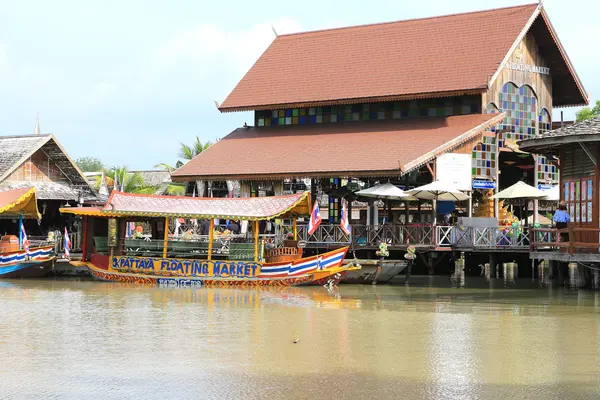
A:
(17, 260)
(35, 263)
(200, 260)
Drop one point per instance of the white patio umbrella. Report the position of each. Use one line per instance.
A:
(553, 193)
(521, 190)
(438, 190)
(385, 191)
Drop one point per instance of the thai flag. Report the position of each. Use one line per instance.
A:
(24, 239)
(315, 218)
(345, 221)
(67, 244)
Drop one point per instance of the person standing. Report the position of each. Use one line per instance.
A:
(561, 219)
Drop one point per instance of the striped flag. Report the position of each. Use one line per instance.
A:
(24, 239)
(67, 244)
(315, 218)
(345, 221)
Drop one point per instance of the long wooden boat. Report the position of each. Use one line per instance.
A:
(227, 260)
(15, 260)
(35, 263)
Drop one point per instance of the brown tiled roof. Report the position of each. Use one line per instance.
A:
(376, 148)
(452, 54)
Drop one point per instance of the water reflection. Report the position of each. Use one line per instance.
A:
(71, 339)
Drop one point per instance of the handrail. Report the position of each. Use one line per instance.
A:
(572, 245)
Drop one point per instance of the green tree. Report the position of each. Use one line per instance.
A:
(587, 112)
(89, 164)
(124, 181)
(188, 152)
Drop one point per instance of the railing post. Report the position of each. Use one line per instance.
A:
(571, 239)
(166, 238)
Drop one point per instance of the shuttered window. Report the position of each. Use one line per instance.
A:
(575, 163)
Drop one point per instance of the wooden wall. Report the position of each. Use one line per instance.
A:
(39, 168)
(541, 84)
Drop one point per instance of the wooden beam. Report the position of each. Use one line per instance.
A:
(166, 238)
(255, 229)
(431, 171)
(211, 235)
(84, 246)
(295, 229)
(588, 152)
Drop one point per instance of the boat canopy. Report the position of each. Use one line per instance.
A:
(19, 202)
(121, 204)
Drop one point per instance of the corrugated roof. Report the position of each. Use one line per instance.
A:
(376, 148)
(255, 208)
(452, 53)
(14, 150)
(585, 131)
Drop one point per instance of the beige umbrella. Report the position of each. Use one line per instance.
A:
(521, 190)
(438, 190)
(385, 191)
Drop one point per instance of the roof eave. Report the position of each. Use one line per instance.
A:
(547, 143)
(374, 99)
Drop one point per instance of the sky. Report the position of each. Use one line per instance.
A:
(127, 80)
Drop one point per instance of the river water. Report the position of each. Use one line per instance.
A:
(83, 339)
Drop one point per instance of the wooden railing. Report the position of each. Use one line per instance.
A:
(554, 239)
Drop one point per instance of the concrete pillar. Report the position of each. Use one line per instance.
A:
(573, 275)
(375, 215)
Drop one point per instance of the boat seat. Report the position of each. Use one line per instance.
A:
(101, 244)
(241, 251)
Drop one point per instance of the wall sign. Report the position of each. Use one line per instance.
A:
(481, 184)
(543, 186)
(201, 268)
(528, 68)
(455, 169)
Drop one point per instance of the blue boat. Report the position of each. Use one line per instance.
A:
(17, 258)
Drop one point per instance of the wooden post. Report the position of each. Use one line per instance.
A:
(295, 230)
(166, 238)
(255, 229)
(84, 248)
(211, 235)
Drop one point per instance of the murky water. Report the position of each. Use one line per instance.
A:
(70, 339)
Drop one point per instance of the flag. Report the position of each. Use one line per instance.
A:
(315, 218)
(24, 239)
(67, 244)
(345, 221)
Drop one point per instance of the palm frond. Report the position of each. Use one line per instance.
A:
(186, 152)
(174, 189)
(165, 166)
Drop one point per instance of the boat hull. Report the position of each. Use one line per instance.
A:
(196, 273)
(367, 273)
(19, 264)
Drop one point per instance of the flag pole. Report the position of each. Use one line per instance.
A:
(20, 231)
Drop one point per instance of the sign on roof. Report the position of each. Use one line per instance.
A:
(455, 169)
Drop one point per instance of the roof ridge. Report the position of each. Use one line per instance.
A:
(43, 135)
(406, 20)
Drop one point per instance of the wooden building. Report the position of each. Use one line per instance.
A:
(382, 102)
(578, 148)
(40, 161)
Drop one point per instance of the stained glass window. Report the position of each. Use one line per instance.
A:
(484, 158)
(370, 111)
(545, 122)
(547, 172)
(519, 104)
